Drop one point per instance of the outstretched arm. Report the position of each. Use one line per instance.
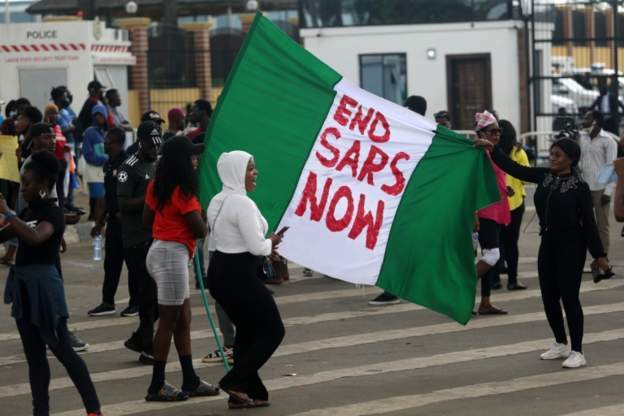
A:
(524, 173)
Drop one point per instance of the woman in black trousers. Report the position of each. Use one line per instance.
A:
(35, 289)
(510, 234)
(239, 231)
(568, 228)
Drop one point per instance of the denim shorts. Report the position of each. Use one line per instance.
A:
(96, 190)
(167, 263)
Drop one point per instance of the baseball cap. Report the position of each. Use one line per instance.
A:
(148, 130)
(95, 84)
(175, 114)
(181, 144)
(39, 129)
(152, 115)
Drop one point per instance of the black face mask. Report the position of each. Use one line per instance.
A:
(63, 102)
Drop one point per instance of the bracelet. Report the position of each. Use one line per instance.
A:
(10, 215)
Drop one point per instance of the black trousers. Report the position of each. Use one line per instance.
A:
(60, 189)
(113, 264)
(233, 282)
(510, 235)
(560, 268)
(39, 368)
(489, 238)
(148, 303)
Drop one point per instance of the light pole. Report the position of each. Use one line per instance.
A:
(7, 12)
(525, 11)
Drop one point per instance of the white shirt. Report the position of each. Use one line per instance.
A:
(596, 154)
(605, 106)
(235, 221)
(239, 228)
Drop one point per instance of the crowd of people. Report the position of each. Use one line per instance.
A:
(143, 197)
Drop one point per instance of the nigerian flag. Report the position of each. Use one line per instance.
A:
(372, 192)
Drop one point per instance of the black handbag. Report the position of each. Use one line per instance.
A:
(265, 269)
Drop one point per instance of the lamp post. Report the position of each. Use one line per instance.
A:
(615, 82)
(526, 12)
(7, 12)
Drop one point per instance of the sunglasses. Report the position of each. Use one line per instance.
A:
(493, 130)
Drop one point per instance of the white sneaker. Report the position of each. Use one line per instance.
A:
(575, 360)
(556, 352)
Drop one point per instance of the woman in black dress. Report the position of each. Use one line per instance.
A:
(568, 229)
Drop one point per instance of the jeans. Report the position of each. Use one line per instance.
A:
(39, 369)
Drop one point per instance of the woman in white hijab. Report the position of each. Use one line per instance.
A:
(239, 230)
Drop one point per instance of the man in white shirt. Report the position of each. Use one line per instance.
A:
(598, 149)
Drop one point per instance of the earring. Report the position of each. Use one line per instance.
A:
(42, 194)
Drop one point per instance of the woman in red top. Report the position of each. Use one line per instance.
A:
(174, 213)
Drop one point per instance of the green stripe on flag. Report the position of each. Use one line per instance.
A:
(276, 92)
(436, 203)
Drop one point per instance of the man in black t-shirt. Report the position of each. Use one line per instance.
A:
(132, 180)
(110, 217)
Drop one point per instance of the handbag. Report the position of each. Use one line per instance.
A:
(265, 271)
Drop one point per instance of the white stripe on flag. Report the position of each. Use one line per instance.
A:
(352, 183)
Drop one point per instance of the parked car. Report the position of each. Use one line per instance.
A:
(569, 88)
(557, 102)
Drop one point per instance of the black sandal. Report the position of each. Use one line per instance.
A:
(167, 393)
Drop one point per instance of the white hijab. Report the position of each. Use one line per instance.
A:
(232, 169)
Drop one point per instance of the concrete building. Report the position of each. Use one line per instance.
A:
(469, 57)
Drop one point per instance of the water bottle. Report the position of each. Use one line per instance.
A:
(97, 247)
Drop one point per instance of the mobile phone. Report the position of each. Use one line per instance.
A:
(283, 230)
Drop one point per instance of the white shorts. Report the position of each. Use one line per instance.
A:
(167, 263)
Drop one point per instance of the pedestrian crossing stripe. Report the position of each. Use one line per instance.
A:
(99, 323)
(338, 342)
(614, 410)
(495, 388)
(387, 367)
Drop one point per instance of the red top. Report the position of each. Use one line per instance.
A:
(498, 211)
(169, 222)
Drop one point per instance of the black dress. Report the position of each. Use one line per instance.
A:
(568, 229)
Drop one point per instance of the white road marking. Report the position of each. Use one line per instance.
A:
(398, 403)
(615, 410)
(498, 387)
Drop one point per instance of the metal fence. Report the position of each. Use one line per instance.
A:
(173, 71)
(575, 58)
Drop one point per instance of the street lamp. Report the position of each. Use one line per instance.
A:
(526, 11)
(252, 5)
(131, 7)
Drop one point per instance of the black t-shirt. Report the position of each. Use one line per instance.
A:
(132, 149)
(48, 252)
(111, 169)
(132, 179)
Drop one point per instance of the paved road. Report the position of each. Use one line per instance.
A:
(344, 358)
